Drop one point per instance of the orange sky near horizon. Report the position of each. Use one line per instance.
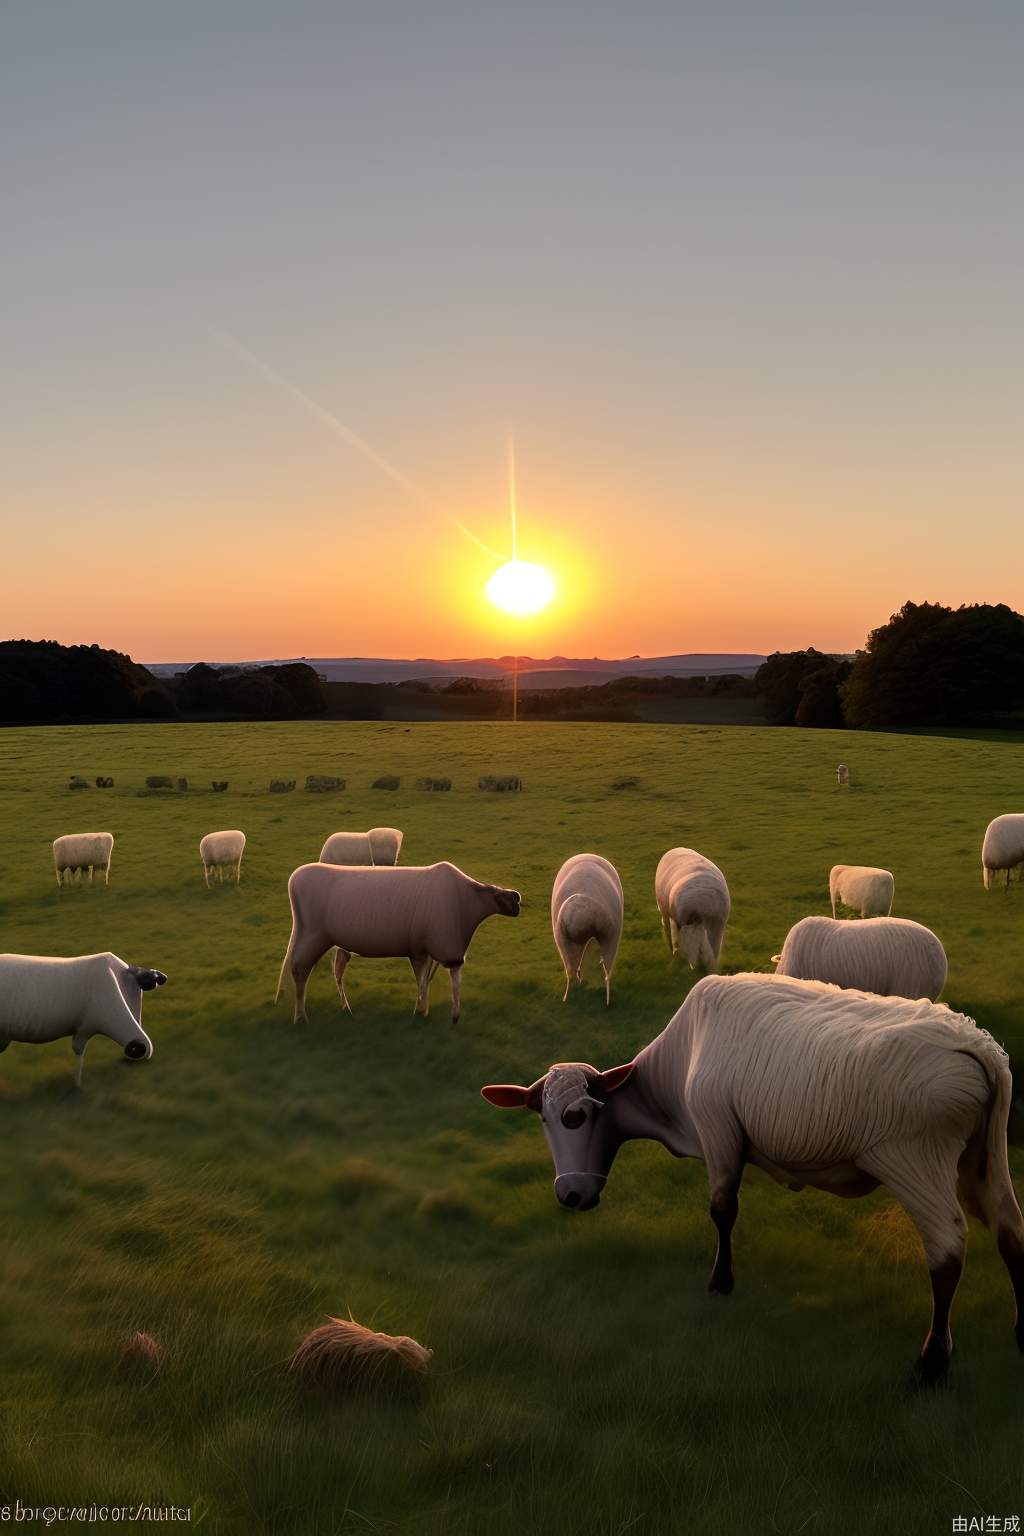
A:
(277, 288)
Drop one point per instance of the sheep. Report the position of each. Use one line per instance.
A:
(888, 955)
(381, 845)
(76, 852)
(839, 1090)
(221, 853)
(693, 899)
(861, 886)
(586, 904)
(427, 915)
(842, 774)
(43, 999)
(1003, 848)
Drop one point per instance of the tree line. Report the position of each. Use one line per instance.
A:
(929, 665)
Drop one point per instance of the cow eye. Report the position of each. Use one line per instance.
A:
(572, 1119)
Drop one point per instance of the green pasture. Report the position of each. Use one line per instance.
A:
(255, 1176)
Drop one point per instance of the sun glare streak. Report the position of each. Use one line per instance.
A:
(340, 429)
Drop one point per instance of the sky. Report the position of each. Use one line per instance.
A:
(278, 282)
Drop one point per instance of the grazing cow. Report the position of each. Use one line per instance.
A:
(428, 915)
(842, 1091)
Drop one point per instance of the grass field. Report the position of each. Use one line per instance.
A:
(253, 1176)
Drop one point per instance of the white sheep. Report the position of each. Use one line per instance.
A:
(838, 1090)
(77, 852)
(381, 845)
(693, 899)
(842, 774)
(1003, 848)
(888, 955)
(221, 853)
(861, 887)
(587, 906)
(44, 999)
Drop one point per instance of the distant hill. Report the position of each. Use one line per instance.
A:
(550, 672)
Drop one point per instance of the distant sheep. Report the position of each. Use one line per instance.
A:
(219, 786)
(863, 888)
(381, 845)
(437, 785)
(888, 955)
(842, 774)
(427, 915)
(221, 853)
(281, 786)
(501, 783)
(76, 782)
(693, 899)
(586, 906)
(78, 852)
(104, 783)
(43, 999)
(386, 781)
(1003, 848)
(159, 781)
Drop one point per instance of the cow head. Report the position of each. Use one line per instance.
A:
(146, 978)
(580, 1125)
(507, 903)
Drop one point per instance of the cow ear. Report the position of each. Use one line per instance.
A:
(607, 1082)
(510, 1096)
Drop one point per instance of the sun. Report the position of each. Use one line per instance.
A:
(520, 588)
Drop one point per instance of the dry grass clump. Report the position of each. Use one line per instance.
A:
(141, 1357)
(342, 1356)
(500, 783)
(386, 781)
(627, 781)
(434, 784)
(323, 784)
(889, 1238)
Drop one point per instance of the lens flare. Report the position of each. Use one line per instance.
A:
(520, 588)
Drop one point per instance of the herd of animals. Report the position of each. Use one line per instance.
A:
(839, 1070)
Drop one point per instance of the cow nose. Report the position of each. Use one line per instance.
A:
(135, 1050)
(579, 1191)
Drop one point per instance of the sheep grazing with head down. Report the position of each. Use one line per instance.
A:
(427, 915)
(44, 999)
(1003, 848)
(693, 899)
(587, 907)
(864, 889)
(79, 852)
(221, 853)
(888, 955)
(842, 774)
(381, 845)
(838, 1090)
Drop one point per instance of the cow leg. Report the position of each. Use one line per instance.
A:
(724, 1160)
(305, 955)
(238, 873)
(341, 959)
(206, 875)
(78, 1045)
(1010, 1238)
(423, 969)
(90, 874)
(455, 972)
(607, 985)
(925, 1183)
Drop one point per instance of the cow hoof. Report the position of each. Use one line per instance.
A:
(931, 1370)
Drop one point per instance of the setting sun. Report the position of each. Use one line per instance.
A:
(520, 588)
